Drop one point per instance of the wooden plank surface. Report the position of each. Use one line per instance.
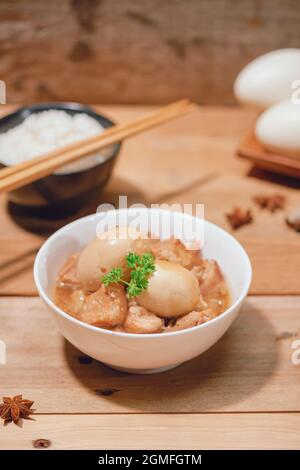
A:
(135, 51)
(242, 393)
(276, 264)
(190, 160)
(199, 431)
(249, 369)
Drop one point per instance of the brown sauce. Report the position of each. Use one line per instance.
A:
(109, 307)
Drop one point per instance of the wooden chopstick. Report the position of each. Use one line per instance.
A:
(38, 167)
(111, 130)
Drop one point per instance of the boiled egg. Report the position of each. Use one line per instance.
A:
(278, 128)
(269, 78)
(172, 290)
(106, 252)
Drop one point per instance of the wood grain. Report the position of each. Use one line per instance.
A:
(199, 431)
(248, 370)
(188, 161)
(137, 51)
(276, 264)
(251, 149)
(244, 392)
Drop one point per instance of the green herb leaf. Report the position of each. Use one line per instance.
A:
(115, 275)
(147, 262)
(132, 260)
(141, 268)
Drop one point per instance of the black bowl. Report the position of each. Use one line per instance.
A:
(67, 191)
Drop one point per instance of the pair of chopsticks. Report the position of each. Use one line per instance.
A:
(31, 170)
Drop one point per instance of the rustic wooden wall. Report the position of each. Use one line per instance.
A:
(134, 51)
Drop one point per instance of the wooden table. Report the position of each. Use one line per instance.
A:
(242, 393)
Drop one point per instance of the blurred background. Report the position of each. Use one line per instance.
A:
(137, 51)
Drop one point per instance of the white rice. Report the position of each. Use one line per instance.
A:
(42, 132)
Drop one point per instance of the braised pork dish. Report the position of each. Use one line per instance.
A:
(131, 283)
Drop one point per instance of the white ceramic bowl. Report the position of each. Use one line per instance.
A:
(150, 352)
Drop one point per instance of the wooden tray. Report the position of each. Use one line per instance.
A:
(252, 150)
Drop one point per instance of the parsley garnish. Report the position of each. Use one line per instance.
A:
(115, 275)
(141, 268)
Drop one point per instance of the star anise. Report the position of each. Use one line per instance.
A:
(272, 202)
(239, 217)
(15, 408)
